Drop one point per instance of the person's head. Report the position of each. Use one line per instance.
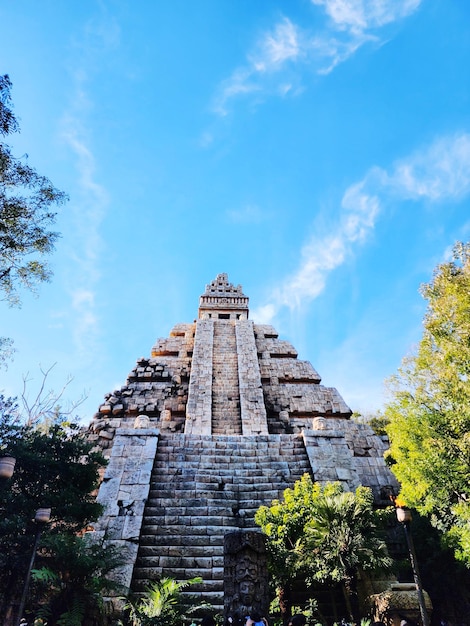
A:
(298, 619)
(208, 620)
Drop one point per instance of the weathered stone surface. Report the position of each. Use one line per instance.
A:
(399, 602)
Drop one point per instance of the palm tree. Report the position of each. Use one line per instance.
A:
(340, 539)
(162, 604)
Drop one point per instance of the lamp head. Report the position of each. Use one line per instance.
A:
(7, 466)
(403, 515)
(43, 516)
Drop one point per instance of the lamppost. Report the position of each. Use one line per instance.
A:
(404, 517)
(41, 518)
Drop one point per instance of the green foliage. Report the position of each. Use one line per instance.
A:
(6, 351)
(162, 604)
(26, 215)
(379, 424)
(429, 413)
(54, 468)
(73, 576)
(283, 524)
(377, 421)
(320, 533)
(445, 579)
(342, 537)
(8, 122)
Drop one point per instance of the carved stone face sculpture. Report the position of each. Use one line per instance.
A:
(319, 423)
(247, 592)
(246, 575)
(142, 421)
(246, 569)
(165, 415)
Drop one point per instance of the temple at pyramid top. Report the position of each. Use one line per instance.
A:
(222, 300)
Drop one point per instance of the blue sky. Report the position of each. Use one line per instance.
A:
(318, 151)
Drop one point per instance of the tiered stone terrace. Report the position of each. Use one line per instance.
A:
(220, 419)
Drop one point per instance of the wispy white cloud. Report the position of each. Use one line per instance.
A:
(89, 212)
(271, 54)
(353, 23)
(277, 47)
(358, 16)
(83, 304)
(331, 51)
(441, 172)
(206, 139)
(99, 37)
(350, 24)
(438, 172)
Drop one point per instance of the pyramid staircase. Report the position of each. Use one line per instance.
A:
(225, 386)
(203, 487)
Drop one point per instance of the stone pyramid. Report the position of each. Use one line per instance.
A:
(218, 420)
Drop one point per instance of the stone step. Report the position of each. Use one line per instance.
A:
(216, 496)
(163, 549)
(183, 562)
(156, 513)
(210, 506)
(257, 463)
(253, 471)
(226, 414)
(172, 527)
(212, 595)
(199, 439)
(260, 455)
(212, 579)
(220, 463)
(177, 536)
(244, 441)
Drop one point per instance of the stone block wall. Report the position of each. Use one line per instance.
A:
(349, 452)
(198, 411)
(123, 494)
(253, 411)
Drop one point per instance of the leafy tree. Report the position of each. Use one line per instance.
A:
(54, 468)
(377, 421)
(283, 524)
(6, 351)
(26, 213)
(429, 412)
(445, 579)
(162, 604)
(319, 533)
(72, 579)
(342, 538)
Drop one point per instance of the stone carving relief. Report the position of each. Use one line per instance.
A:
(245, 576)
(142, 421)
(319, 423)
